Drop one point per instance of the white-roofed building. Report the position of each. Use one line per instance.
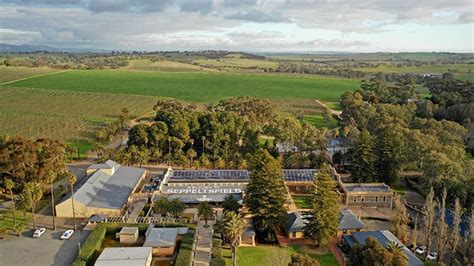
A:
(107, 191)
(122, 256)
(162, 240)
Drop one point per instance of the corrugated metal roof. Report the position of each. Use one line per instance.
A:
(348, 220)
(384, 238)
(161, 237)
(103, 190)
(124, 256)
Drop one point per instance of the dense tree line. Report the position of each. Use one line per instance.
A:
(390, 135)
(223, 135)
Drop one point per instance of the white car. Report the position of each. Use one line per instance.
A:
(420, 250)
(67, 234)
(39, 232)
(432, 256)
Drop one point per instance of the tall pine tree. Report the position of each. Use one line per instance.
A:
(364, 158)
(390, 157)
(325, 210)
(266, 192)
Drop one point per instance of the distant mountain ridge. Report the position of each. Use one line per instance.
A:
(31, 48)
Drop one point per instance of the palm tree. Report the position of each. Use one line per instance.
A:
(191, 153)
(176, 207)
(34, 192)
(9, 185)
(398, 258)
(230, 203)
(23, 202)
(162, 206)
(205, 210)
(98, 148)
(233, 227)
(50, 177)
(71, 180)
(18, 229)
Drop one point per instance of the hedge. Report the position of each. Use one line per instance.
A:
(186, 250)
(91, 246)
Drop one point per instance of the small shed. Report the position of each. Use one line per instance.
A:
(128, 235)
(162, 240)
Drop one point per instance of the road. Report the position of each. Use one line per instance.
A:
(47, 250)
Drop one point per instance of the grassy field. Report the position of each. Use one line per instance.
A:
(237, 63)
(318, 121)
(163, 66)
(59, 114)
(463, 71)
(14, 73)
(276, 256)
(197, 87)
(302, 201)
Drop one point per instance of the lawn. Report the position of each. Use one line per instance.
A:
(58, 114)
(196, 87)
(302, 201)
(6, 220)
(275, 256)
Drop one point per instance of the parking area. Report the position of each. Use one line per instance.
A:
(47, 250)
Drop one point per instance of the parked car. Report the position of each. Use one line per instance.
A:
(39, 232)
(432, 256)
(67, 234)
(420, 250)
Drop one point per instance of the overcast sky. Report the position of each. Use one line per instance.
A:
(247, 25)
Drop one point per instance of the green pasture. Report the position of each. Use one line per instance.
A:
(274, 255)
(196, 87)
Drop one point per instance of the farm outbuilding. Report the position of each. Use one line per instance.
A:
(107, 191)
(128, 235)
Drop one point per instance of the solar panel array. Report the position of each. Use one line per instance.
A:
(207, 175)
(237, 175)
(298, 174)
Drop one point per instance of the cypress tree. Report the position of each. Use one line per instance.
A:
(389, 153)
(364, 158)
(266, 192)
(325, 210)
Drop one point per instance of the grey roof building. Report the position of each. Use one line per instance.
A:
(384, 238)
(348, 221)
(161, 237)
(294, 225)
(106, 191)
(133, 256)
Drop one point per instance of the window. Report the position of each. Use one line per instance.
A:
(294, 234)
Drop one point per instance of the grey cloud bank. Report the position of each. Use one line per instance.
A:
(241, 25)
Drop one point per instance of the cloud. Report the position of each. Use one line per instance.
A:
(258, 16)
(235, 24)
(203, 6)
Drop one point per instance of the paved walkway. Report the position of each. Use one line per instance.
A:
(202, 251)
(137, 207)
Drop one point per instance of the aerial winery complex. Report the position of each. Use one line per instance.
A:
(236, 133)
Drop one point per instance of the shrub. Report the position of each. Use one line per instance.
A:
(91, 246)
(185, 251)
(303, 260)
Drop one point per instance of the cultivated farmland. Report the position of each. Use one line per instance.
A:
(196, 87)
(60, 114)
(14, 73)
